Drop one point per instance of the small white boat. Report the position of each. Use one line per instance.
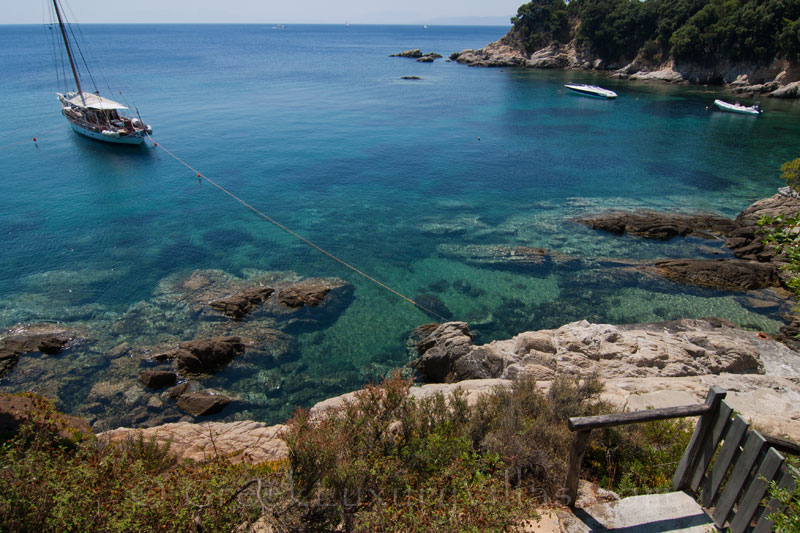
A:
(738, 108)
(592, 90)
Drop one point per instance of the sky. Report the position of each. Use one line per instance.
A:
(268, 11)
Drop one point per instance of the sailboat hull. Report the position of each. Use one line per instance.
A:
(127, 139)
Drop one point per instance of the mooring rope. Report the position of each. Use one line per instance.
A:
(292, 233)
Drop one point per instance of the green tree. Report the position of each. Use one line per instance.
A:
(791, 173)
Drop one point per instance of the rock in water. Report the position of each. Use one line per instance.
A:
(441, 348)
(206, 355)
(157, 379)
(303, 294)
(724, 274)
(433, 305)
(239, 305)
(44, 338)
(659, 225)
(202, 403)
(413, 53)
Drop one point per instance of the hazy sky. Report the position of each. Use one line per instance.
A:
(269, 11)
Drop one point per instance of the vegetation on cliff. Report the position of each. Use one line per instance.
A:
(383, 461)
(698, 31)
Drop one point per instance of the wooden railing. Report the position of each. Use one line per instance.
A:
(743, 452)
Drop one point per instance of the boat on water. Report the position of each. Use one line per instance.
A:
(738, 108)
(591, 90)
(92, 115)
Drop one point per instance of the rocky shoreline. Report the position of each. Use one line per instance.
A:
(780, 79)
(249, 319)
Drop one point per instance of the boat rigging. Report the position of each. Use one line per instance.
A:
(92, 115)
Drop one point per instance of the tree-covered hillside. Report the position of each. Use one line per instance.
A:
(699, 31)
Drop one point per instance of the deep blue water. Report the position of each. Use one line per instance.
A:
(404, 179)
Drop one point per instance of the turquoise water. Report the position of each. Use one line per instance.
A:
(415, 182)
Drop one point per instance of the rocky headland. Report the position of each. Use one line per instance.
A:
(780, 78)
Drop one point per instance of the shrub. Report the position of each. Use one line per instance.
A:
(49, 484)
(791, 173)
(638, 458)
(788, 519)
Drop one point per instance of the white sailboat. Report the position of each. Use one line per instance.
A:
(92, 115)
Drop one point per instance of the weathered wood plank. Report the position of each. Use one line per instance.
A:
(748, 505)
(785, 481)
(741, 469)
(582, 423)
(575, 460)
(733, 438)
(709, 447)
(702, 430)
(782, 445)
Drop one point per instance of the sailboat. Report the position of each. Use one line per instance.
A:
(92, 115)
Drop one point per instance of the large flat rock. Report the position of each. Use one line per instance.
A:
(241, 442)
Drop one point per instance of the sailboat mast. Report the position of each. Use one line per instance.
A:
(69, 52)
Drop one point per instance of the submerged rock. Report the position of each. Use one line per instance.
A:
(45, 338)
(724, 274)
(157, 379)
(310, 294)
(204, 355)
(660, 225)
(433, 305)
(239, 305)
(202, 403)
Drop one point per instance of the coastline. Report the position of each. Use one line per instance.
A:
(780, 79)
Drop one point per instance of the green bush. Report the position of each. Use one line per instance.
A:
(788, 519)
(638, 458)
(48, 484)
(790, 172)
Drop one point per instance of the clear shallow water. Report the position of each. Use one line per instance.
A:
(313, 125)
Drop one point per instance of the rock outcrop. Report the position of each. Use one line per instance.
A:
(157, 379)
(239, 305)
(660, 225)
(44, 338)
(725, 274)
(202, 403)
(240, 442)
(203, 355)
(416, 53)
(685, 347)
(778, 79)
(310, 294)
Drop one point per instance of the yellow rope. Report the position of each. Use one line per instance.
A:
(290, 232)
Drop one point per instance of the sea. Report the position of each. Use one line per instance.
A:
(430, 186)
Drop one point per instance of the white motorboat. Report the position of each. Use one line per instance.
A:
(92, 115)
(738, 108)
(591, 90)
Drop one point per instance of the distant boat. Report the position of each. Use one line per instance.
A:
(92, 115)
(738, 108)
(425, 27)
(592, 90)
(346, 24)
(279, 27)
